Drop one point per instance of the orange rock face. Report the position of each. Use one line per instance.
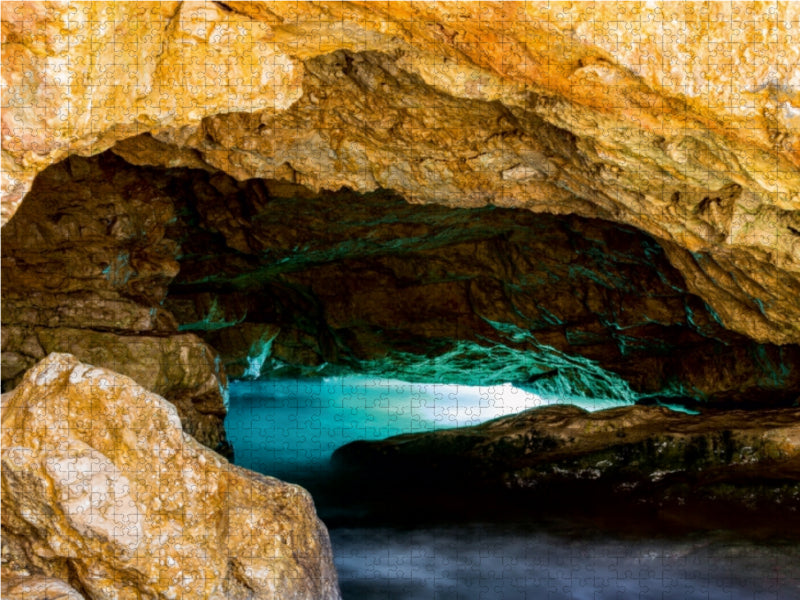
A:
(680, 119)
(103, 489)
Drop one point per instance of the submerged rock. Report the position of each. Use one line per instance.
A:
(103, 491)
(643, 455)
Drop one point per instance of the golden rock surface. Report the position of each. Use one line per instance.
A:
(101, 486)
(681, 119)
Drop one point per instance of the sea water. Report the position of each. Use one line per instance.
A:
(289, 428)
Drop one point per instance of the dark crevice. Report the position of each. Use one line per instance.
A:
(224, 6)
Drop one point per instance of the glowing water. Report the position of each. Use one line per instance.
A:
(290, 427)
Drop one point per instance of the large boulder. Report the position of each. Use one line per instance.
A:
(103, 491)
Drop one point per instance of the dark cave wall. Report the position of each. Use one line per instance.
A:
(176, 276)
(351, 279)
(86, 265)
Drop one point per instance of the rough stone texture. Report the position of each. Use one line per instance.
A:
(678, 119)
(271, 273)
(748, 460)
(181, 368)
(38, 587)
(85, 74)
(103, 490)
(275, 273)
(89, 249)
(86, 265)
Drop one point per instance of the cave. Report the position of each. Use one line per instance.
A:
(200, 287)
(268, 277)
(111, 261)
(393, 315)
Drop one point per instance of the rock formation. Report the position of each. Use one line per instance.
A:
(274, 272)
(152, 272)
(104, 496)
(584, 198)
(682, 123)
(635, 456)
(86, 266)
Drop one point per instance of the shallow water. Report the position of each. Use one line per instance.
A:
(289, 428)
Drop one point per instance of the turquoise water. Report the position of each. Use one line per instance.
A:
(289, 428)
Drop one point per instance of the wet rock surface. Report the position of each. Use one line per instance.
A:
(104, 496)
(728, 469)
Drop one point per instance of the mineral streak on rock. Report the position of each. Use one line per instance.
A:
(678, 119)
(104, 496)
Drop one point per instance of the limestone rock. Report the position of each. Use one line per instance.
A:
(678, 119)
(354, 127)
(181, 368)
(86, 265)
(89, 247)
(631, 456)
(38, 587)
(111, 70)
(103, 490)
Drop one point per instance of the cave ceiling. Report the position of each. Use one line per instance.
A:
(658, 168)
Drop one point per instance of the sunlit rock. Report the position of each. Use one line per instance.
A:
(85, 75)
(102, 488)
(38, 587)
(680, 120)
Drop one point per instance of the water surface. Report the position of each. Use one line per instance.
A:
(290, 427)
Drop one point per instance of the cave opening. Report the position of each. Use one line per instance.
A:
(384, 317)
(274, 280)
(316, 321)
